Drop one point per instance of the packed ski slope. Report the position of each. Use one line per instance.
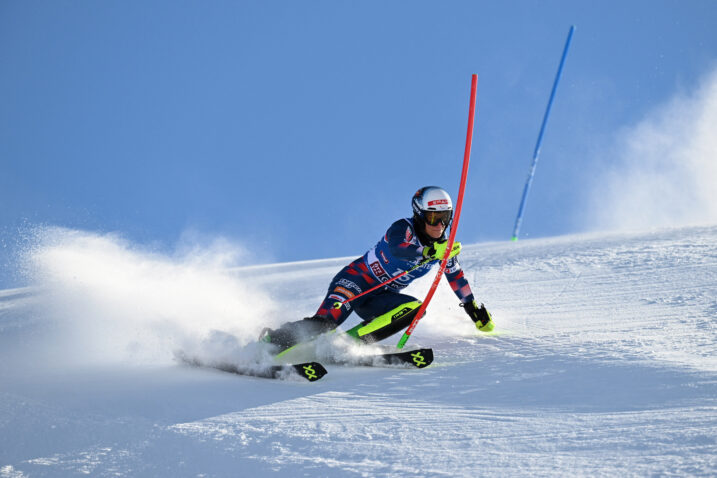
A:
(604, 365)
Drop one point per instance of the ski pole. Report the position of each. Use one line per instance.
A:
(454, 226)
(531, 173)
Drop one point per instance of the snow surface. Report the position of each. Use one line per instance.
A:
(604, 364)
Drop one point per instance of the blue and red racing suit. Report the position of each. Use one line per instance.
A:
(399, 250)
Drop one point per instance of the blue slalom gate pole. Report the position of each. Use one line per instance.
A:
(519, 218)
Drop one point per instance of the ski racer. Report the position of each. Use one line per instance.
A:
(411, 244)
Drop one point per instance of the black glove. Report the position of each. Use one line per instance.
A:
(479, 315)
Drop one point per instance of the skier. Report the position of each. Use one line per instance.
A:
(385, 311)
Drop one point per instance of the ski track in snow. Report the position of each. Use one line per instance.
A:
(605, 365)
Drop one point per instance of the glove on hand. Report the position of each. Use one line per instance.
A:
(479, 315)
(436, 250)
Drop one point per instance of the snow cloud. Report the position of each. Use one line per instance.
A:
(666, 170)
(110, 300)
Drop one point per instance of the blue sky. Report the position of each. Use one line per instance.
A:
(301, 129)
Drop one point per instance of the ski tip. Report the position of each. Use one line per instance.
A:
(311, 371)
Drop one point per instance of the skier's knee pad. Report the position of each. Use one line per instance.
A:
(387, 324)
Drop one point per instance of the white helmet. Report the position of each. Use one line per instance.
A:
(432, 205)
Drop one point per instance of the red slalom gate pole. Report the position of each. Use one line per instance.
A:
(457, 215)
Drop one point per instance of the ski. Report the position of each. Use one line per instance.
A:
(311, 371)
(419, 358)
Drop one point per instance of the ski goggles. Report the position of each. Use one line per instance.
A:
(433, 218)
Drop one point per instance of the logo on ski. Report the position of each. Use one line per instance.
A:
(418, 359)
(310, 372)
